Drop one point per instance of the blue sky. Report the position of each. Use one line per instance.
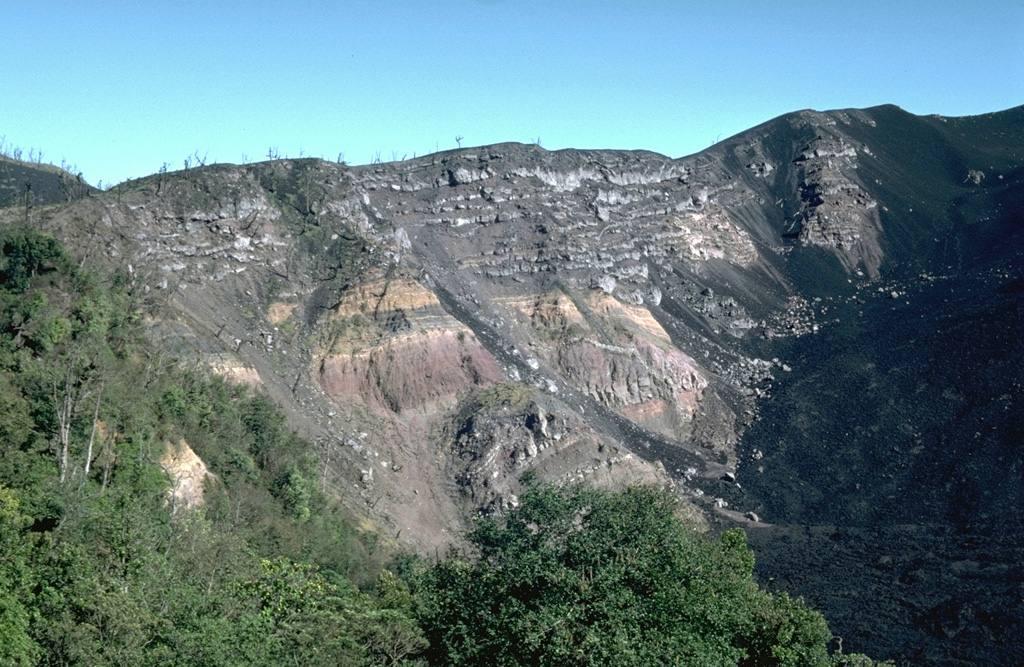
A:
(119, 88)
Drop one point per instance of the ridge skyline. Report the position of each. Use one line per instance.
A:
(130, 90)
(198, 159)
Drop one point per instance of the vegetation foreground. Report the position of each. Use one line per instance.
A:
(101, 564)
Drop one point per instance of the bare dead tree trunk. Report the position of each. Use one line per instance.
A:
(92, 434)
(65, 407)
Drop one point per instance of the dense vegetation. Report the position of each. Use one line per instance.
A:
(101, 563)
(578, 576)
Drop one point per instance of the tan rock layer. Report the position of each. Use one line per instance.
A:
(383, 296)
(187, 473)
(639, 373)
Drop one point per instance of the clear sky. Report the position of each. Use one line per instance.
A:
(118, 88)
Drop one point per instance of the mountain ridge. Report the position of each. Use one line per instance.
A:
(443, 325)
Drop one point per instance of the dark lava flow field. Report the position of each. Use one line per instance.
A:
(892, 470)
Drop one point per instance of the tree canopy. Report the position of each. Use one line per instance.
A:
(580, 576)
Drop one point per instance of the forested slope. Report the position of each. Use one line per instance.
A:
(110, 556)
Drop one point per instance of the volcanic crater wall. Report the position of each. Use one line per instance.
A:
(441, 326)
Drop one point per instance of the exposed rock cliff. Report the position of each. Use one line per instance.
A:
(448, 327)
(187, 474)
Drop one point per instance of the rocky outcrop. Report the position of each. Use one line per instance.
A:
(422, 371)
(392, 347)
(835, 210)
(507, 439)
(621, 357)
(230, 368)
(187, 475)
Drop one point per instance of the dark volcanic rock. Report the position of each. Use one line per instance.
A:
(26, 185)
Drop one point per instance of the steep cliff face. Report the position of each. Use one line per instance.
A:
(443, 326)
(624, 360)
(393, 348)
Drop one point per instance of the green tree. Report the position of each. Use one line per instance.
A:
(28, 253)
(60, 322)
(17, 646)
(580, 576)
(391, 634)
(310, 619)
